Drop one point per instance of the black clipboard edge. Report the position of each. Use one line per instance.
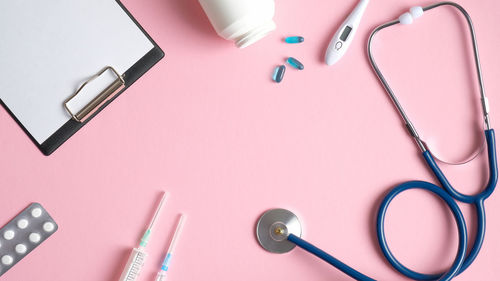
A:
(130, 76)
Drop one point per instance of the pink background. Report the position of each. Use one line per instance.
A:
(208, 125)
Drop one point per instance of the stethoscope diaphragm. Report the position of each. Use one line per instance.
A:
(273, 228)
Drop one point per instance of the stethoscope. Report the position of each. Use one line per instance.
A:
(279, 230)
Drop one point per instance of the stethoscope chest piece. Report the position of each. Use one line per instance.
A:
(273, 228)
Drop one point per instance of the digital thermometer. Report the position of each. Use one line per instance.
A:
(344, 35)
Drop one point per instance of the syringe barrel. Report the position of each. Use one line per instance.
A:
(161, 276)
(134, 265)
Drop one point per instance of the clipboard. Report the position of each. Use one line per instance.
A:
(62, 62)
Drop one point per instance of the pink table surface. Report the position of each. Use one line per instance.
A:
(208, 125)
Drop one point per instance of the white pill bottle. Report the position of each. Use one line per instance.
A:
(243, 21)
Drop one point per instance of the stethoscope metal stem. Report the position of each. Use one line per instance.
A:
(484, 99)
(409, 125)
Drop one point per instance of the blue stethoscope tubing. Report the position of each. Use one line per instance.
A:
(447, 193)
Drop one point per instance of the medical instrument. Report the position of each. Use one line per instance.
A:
(23, 234)
(279, 230)
(295, 63)
(278, 73)
(138, 255)
(162, 274)
(294, 39)
(343, 37)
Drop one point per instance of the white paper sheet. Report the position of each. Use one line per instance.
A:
(48, 48)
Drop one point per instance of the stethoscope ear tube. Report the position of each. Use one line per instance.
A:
(493, 171)
(459, 219)
(449, 195)
(328, 258)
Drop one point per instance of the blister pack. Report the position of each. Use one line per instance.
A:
(23, 234)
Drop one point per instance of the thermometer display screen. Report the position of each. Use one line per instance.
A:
(345, 33)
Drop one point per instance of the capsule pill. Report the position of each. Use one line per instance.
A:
(294, 39)
(279, 72)
(295, 63)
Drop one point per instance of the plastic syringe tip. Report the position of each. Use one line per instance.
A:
(177, 233)
(145, 237)
(168, 257)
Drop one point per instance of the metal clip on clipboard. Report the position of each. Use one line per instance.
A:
(107, 94)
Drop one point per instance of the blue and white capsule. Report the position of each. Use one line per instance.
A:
(279, 72)
(295, 63)
(294, 39)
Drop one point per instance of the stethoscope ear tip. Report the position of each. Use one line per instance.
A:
(413, 14)
(273, 229)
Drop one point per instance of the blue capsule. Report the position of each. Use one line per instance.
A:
(294, 39)
(295, 63)
(279, 72)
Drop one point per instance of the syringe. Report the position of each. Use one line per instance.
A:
(162, 274)
(138, 256)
